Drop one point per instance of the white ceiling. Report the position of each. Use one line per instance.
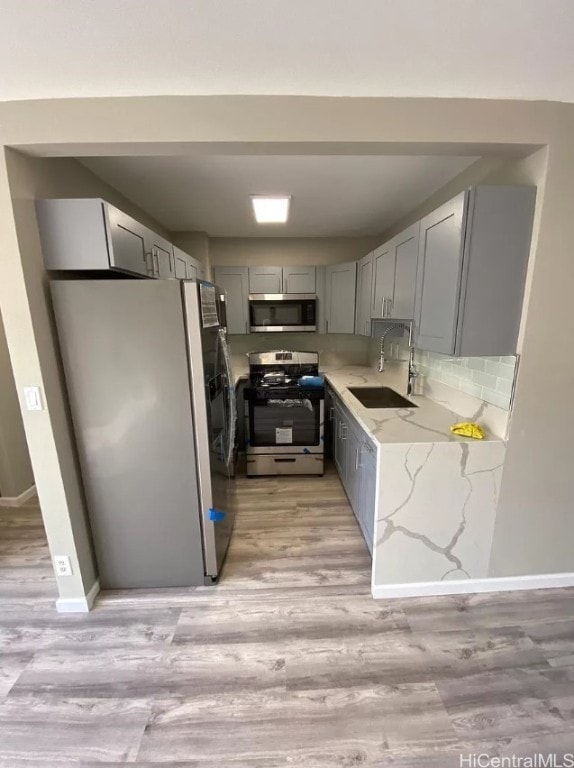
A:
(519, 49)
(332, 195)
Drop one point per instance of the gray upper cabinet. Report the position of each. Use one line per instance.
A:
(395, 276)
(340, 287)
(265, 280)
(128, 248)
(89, 234)
(384, 280)
(473, 255)
(162, 257)
(186, 267)
(180, 263)
(438, 289)
(364, 295)
(235, 282)
(299, 280)
(406, 249)
(282, 280)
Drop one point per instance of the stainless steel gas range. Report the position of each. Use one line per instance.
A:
(284, 415)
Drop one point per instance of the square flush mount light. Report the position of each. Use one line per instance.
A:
(271, 210)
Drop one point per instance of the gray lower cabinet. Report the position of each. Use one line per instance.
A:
(340, 289)
(473, 255)
(340, 430)
(364, 295)
(355, 458)
(282, 279)
(235, 282)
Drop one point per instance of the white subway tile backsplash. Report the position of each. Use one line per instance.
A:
(488, 378)
(476, 363)
(504, 386)
(496, 398)
(501, 370)
(484, 379)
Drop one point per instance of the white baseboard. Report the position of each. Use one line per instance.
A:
(78, 604)
(469, 586)
(18, 501)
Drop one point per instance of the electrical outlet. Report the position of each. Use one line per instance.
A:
(33, 399)
(63, 565)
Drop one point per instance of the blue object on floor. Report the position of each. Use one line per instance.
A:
(216, 515)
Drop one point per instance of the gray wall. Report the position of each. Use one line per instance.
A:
(287, 251)
(15, 467)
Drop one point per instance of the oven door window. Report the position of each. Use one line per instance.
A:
(277, 422)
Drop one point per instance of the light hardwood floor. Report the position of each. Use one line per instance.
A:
(288, 661)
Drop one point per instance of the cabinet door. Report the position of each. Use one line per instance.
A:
(439, 276)
(406, 248)
(352, 470)
(190, 270)
(341, 282)
(340, 430)
(299, 280)
(180, 259)
(364, 295)
(265, 280)
(128, 244)
(162, 258)
(234, 281)
(367, 491)
(329, 423)
(384, 279)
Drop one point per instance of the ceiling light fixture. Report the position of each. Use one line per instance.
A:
(271, 210)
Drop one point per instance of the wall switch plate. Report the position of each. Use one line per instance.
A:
(63, 565)
(33, 399)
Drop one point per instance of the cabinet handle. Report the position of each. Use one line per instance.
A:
(331, 413)
(148, 268)
(343, 427)
(155, 260)
(357, 452)
(326, 326)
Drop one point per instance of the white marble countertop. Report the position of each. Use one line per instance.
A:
(429, 422)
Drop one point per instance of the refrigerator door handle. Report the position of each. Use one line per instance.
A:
(231, 399)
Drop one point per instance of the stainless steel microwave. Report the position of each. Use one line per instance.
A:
(292, 312)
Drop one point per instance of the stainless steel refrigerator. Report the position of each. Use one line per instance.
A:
(152, 401)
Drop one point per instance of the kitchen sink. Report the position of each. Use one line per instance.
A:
(380, 397)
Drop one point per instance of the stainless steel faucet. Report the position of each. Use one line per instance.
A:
(412, 371)
(393, 327)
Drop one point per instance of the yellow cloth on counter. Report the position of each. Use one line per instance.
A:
(468, 429)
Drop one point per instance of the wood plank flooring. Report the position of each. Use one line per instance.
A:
(288, 661)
